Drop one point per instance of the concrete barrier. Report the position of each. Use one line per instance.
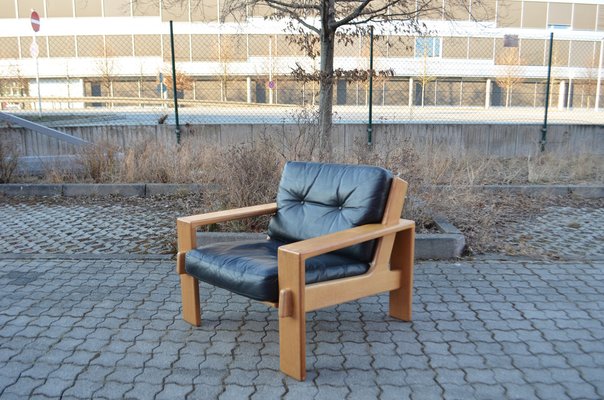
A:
(18, 189)
(490, 139)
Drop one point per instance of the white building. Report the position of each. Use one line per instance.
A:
(112, 48)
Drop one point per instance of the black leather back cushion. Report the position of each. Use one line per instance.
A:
(315, 199)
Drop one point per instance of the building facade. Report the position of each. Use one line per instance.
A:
(491, 55)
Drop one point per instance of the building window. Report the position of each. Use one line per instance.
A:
(427, 47)
(558, 26)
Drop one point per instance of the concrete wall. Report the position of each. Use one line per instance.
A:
(493, 139)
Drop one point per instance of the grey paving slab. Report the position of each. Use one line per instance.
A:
(481, 330)
(560, 232)
(89, 227)
(116, 226)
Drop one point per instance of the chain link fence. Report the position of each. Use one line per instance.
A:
(235, 77)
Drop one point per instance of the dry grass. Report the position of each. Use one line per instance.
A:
(441, 181)
(9, 154)
(244, 175)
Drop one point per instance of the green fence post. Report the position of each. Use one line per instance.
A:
(549, 75)
(370, 124)
(175, 90)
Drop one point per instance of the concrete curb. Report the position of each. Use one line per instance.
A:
(433, 246)
(154, 189)
(85, 189)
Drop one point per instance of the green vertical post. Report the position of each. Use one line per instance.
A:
(174, 89)
(370, 124)
(549, 76)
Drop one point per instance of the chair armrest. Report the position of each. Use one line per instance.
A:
(186, 227)
(195, 221)
(338, 240)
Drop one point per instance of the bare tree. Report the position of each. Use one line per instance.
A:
(327, 21)
(590, 76)
(105, 66)
(425, 76)
(183, 81)
(512, 71)
(14, 84)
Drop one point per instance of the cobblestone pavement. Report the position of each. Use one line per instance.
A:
(97, 226)
(481, 330)
(563, 232)
(147, 226)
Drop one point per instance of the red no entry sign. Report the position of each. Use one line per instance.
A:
(35, 21)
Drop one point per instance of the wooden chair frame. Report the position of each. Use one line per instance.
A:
(391, 270)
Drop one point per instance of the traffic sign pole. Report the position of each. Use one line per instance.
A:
(35, 25)
(38, 83)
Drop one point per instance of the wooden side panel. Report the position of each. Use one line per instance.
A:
(401, 299)
(292, 329)
(329, 293)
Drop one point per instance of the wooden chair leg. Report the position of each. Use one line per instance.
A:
(292, 345)
(191, 311)
(292, 315)
(401, 299)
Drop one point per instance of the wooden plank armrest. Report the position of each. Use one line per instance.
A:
(339, 240)
(195, 221)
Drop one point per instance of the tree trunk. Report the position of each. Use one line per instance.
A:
(326, 83)
(326, 95)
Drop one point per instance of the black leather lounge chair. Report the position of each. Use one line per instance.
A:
(335, 236)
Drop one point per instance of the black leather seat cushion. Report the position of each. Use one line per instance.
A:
(249, 268)
(316, 199)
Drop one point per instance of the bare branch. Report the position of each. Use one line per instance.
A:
(293, 5)
(356, 13)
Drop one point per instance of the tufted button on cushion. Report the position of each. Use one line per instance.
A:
(249, 268)
(335, 197)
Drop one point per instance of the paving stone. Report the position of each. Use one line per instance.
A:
(113, 390)
(53, 387)
(22, 388)
(173, 391)
(236, 392)
(144, 391)
(202, 391)
(82, 389)
(453, 391)
(395, 392)
(145, 352)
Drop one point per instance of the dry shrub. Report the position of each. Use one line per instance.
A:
(56, 172)
(244, 175)
(297, 141)
(9, 159)
(146, 161)
(100, 162)
(556, 168)
(154, 162)
(440, 183)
